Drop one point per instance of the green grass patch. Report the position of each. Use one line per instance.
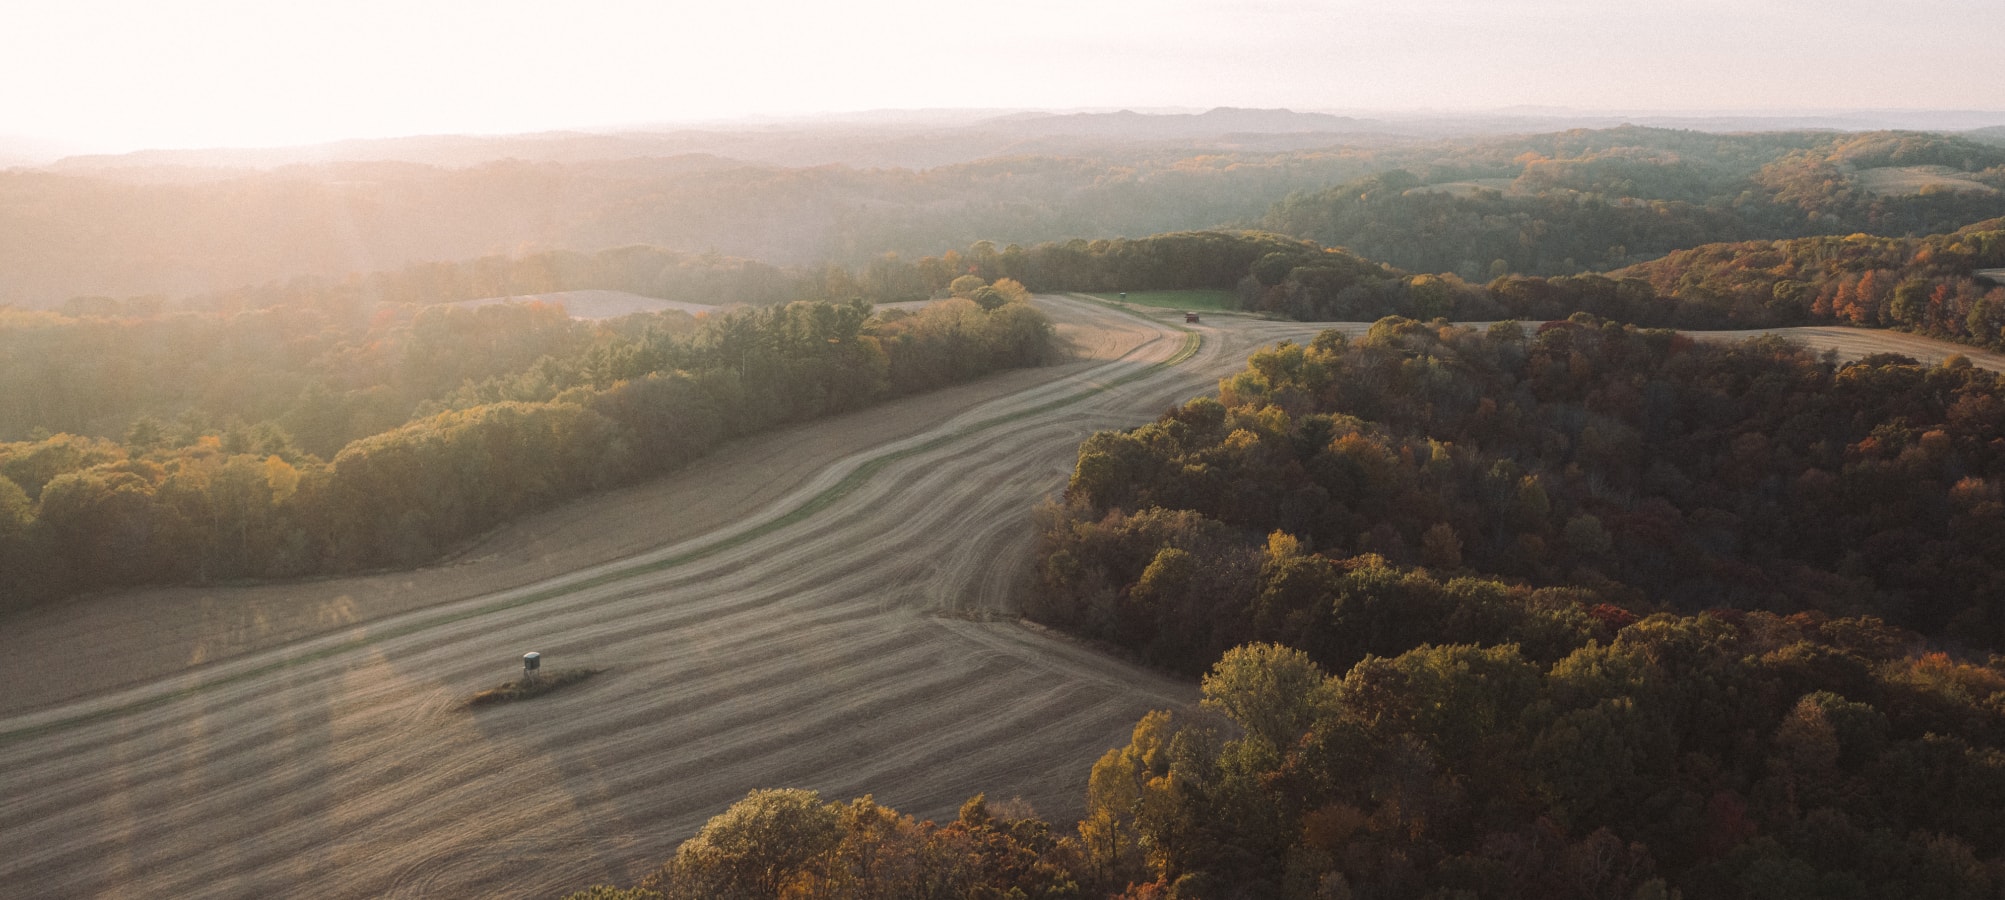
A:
(523, 689)
(1211, 301)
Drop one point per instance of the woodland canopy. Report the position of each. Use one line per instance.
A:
(359, 445)
(1578, 610)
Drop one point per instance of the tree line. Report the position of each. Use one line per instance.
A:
(1926, 285)
(1662, 473)
(602, 405)
(335, 360)
(1747, 756)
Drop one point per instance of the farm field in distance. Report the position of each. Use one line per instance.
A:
(596, 304)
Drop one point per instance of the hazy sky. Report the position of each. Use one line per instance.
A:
(121, 74)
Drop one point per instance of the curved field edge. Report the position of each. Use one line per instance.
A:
(731, 538)
(104, 643)
(1849, 342)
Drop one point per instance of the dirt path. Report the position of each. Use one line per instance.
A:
(841, 622)
(1852, 343)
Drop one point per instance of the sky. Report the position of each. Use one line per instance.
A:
(116, 75)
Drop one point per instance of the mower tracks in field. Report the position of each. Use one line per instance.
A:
(827, 640)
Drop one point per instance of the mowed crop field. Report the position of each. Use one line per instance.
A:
(596, 304)
(1902, 181)
(833, 613)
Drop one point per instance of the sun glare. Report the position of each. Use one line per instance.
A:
(117, 74)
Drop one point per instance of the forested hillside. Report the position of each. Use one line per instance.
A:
(203, 231)
(1575, 610)
(1658, 472)
(1591, 200)
(310, 442)
(336, 359)
(1741, 757)
(1588, 596)
(1555, 204)
(1927, 285)
(1170, 261)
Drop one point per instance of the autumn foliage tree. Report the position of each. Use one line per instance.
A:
(1748, 756)
(789, 844)
(1653, 470)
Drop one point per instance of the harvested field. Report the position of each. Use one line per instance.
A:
(843, 627)
(1853, 343)
(1907, 181)
(907, 305)
(597, 304)
(1468, 188)
(827, 608)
